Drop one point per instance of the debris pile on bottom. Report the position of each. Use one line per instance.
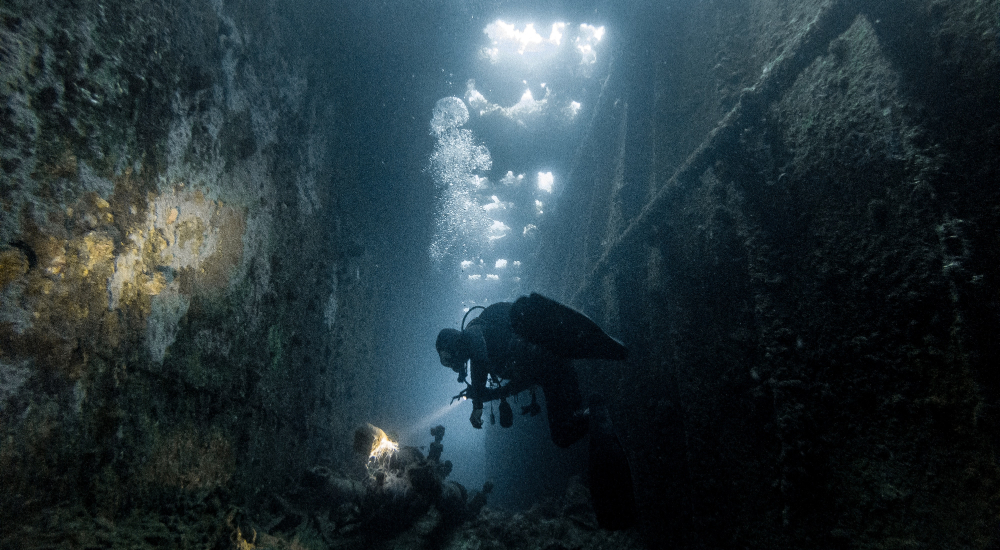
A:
(397, 499)
(401, 488)
(406, 501)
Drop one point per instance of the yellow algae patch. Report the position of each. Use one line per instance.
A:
(155, 284)
(155, 251)
(90, 286)
(90, 212)
(54, 308)
(51, 253)
(95, 253)
(103, 209)
(182, 233)
(186, 244)
(57, 309)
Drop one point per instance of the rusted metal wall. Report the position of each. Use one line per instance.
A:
(809, 281)
(186, 310)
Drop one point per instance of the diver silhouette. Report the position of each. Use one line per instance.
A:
(513, 347)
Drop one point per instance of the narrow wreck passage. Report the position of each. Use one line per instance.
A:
(231, 231)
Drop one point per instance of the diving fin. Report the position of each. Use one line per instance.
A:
(610, 475)
(563, 330)
(506, 414)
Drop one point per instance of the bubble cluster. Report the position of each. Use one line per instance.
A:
(457, 157)
(462, 225)
(449, 113)
(479, 222)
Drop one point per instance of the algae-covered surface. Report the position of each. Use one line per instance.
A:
(147, 331)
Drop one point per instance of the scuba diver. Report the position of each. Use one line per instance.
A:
(528, 343)
(513, 347)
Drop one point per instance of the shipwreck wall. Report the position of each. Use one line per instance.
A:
(182, 292)
(805, 268)
(789, 214)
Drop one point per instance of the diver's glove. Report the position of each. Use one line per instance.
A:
(476, 418)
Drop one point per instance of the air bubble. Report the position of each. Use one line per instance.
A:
(449, 113)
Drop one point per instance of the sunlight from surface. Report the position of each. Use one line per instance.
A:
(528, 112)
(510, 179)
(586, 41)
(510, 42)
(498, 230)
(526, 106)
(476, 99)
(534, 80)
(494, 204)
(506, 40)
(545, 181)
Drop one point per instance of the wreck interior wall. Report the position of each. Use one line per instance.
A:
(189, 273)
(808, 306)
(186, 306)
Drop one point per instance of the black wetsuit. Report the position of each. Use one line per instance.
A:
(494, 348)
